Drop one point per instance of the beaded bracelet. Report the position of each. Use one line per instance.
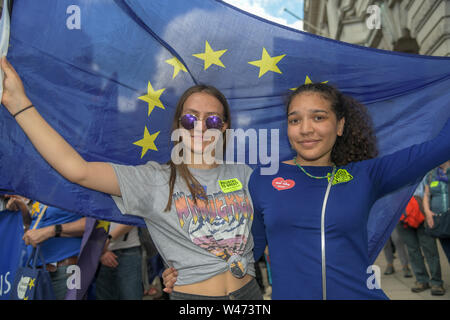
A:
(30, 106)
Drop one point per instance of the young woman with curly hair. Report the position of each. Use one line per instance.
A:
(314, 211)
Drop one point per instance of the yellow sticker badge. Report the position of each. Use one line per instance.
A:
(434, 184)
(230, 185)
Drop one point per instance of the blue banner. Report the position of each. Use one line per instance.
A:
(107, 76)
(12, 250)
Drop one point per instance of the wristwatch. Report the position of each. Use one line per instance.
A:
(58, 230)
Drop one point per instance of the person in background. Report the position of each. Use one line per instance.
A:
(395, 241)
(436, 199)
(59, 233)
(120, 273)
(417, 241)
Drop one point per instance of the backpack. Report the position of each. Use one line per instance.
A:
(439, 192)
(412, 216)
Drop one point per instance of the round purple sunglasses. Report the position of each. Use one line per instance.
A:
(212, 122)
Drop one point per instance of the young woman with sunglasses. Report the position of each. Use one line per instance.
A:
(198, 213)
(313, 213)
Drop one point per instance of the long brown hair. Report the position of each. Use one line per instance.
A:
(182, 169)
(358, 141)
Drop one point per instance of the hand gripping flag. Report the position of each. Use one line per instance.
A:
(107, 75)
(4, 37)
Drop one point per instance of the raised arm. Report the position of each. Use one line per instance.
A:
(54, 149)
(407, 166)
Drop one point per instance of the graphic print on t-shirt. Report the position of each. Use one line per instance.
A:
(220, 225)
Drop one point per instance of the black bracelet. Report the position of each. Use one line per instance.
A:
(58, 230)
(30, 106)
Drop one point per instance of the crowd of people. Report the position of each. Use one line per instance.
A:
(432, 199)
(312, 215)
(129, 268)
(59, 234)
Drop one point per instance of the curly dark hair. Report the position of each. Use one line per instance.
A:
(358, 141)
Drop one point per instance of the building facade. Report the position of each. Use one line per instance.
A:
(413, 26)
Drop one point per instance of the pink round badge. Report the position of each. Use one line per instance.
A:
(281, 184)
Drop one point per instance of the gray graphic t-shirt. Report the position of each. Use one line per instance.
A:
(199, 240)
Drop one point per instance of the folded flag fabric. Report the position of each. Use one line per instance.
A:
(12, 250)
(94, 238)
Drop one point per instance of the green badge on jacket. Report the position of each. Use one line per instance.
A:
(342, 176)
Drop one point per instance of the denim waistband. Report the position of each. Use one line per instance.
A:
(250, 291)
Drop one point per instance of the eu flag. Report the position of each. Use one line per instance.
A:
(107, 75)
(12, 250)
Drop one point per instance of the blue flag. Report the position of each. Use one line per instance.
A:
(12, 250)
(107, 75)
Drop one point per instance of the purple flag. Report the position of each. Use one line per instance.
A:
(92, 244)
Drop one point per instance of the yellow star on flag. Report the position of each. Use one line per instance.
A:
(31, 284)
(35, 208)
(267, 63)
(153, 98)
(148, 142)
(307, 81)
(177, 66)
(103, 224)
(210, 56)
